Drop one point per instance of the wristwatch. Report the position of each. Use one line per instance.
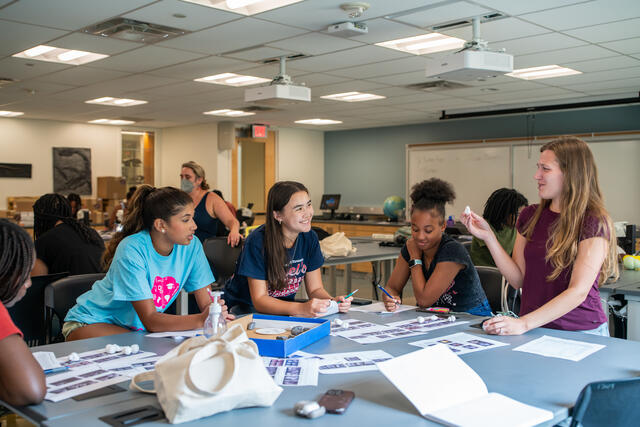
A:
(414, 262)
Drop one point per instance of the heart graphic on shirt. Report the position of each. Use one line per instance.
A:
(163, 290)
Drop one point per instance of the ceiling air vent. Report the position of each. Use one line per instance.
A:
(463, 23)
(437, 86)
(132, 30)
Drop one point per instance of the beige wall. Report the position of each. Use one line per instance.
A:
(253, 175)
(300, 157)
(183, 143)
(31, 141)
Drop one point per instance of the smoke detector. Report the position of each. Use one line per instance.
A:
(354, 9)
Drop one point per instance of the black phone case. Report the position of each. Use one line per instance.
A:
(336, 401)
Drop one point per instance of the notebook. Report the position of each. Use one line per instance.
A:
(446, 390)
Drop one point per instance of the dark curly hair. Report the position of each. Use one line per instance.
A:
(502, 207)
(16, 259)
(432, 194)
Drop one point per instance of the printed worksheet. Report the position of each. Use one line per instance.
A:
(431, 322)
(292, 372)
(461, 343)
(346, 363)
(176, 334)
(378, 307)
(558, 347)
(370, 333)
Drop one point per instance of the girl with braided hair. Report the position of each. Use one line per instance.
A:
(22, 381)
(63, 244)
(149, 262)
(440, 268)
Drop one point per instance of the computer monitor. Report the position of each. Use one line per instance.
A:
(330, 202)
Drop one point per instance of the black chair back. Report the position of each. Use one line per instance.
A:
(61, 295)
(222, 258)
(467, 245)
(29, 313)
(491, 280)
(608, 403)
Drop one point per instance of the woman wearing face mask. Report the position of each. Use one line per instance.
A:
(210, 210)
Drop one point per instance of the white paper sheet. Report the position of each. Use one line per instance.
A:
(461, 343)
(561, 348)
(176, 334)
(292, 372)
(345, 363)
(431, 323)
(378, 307)
(47, 360)
(370, 333)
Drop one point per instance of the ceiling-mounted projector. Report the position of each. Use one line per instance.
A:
(281, 91)
(473, 62)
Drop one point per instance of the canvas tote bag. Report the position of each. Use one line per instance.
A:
(202, 377)
(336, 245)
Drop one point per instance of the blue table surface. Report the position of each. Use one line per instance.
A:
(549, 383)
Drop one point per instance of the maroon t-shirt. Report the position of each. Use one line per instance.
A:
(537, 291)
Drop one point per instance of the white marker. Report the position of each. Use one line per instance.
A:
(467, 210)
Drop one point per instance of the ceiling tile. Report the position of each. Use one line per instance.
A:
(197, 16)
(401, 79)
(632, 84)
(382, 30)
(80, 76)
(599, 76)
(96, 44)
(144, 59)
(201, 68)
(353, 85)
(317, 15)
(22, 69)
(608, 32)
(319, 79)
(315, 44)
(562, 56)
(541, 43)
(17, 37)
(593, 13)
(414, 63)
(117, 88)
(501, 29)
(240, 34)
(512, 7)
(628, 46)
(348, 58)
(260, 53)
(612, 63)
(68, 14)
(441, 14)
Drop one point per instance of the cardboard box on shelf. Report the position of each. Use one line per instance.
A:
(112, 187)
(97, 217)
(21, 203)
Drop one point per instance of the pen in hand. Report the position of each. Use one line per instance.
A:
(388, 294)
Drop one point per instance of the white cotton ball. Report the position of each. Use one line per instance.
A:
(467, 210)
(451, 318)
(420, 319)
(345, 324)
(126, 350)
(135, 348)
(74, 357)
(117, 347)
(433, 317)
(111, 349)
(338, 322)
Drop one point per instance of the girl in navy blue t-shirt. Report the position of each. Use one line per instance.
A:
(278, 256)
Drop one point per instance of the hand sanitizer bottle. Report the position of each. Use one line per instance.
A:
(450, 221)
(215, 324)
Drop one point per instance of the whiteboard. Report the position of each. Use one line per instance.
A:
(618, 164)
(474, 172)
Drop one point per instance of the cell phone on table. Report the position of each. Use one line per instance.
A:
(360, 301)
(336, 401)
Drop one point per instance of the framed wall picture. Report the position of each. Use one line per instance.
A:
(72, 170)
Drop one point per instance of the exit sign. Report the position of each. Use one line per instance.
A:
(258, 131)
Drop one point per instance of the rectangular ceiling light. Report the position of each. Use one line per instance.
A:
(318, 122)
(130, 132)
(244, 7)
(111, 122)
(425, 43)
(226, 112)
(10, 113)
(353, 97)
(544, 72)
(60, 55)
(116, 102)
(232, 79)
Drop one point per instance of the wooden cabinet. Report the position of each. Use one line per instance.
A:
(357, 230)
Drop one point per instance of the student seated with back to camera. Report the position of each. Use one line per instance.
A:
(21, 378)
(149, 262)
(278, 256)
(565, 246)
(440, 268)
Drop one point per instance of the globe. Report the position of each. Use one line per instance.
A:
(393, 206)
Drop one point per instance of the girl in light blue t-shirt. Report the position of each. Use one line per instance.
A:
(149, 262)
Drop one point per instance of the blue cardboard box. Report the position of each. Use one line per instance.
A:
(272, 347)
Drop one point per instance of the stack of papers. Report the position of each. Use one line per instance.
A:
(557, 347)
(346, 363)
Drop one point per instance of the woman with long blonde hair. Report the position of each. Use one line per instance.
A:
(565, 246)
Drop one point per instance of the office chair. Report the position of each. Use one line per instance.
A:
(222, 258)
(492, 282)
(61, 295)
(29, 313)
(467, 245)
(608, 403)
